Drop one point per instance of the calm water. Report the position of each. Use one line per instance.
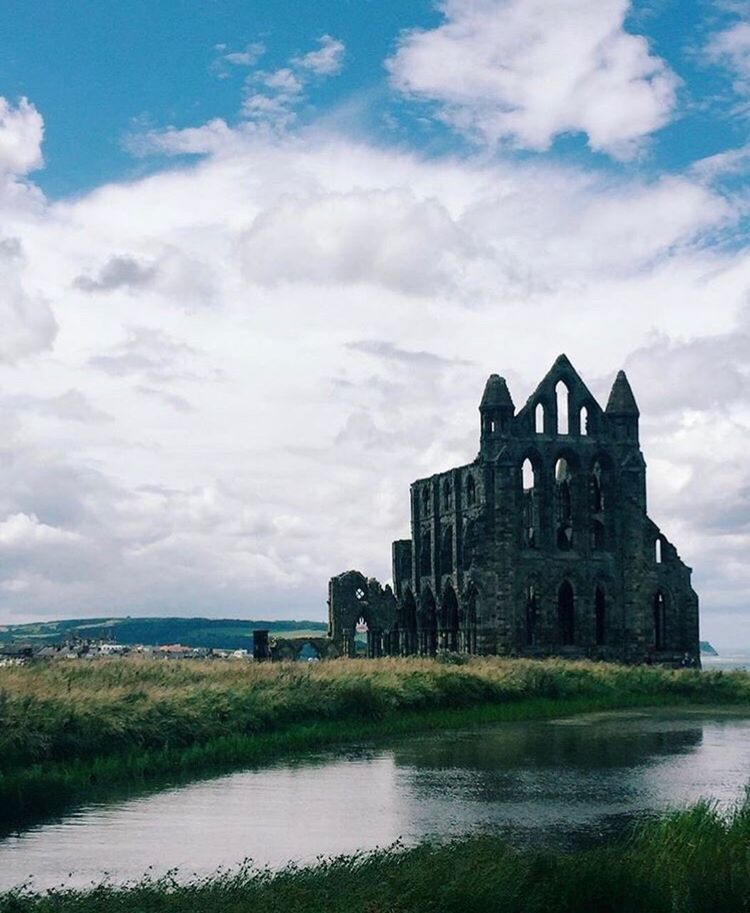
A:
(726, 661)
(564, 783)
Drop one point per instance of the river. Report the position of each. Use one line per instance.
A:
(564, 783)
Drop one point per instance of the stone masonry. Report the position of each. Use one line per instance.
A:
(541, 546)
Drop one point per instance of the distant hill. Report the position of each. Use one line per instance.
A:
(219, 633)
(707, 649)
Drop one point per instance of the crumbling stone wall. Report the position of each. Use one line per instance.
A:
(541, 546)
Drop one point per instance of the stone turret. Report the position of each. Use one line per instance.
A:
(622, 409)
(496, 410)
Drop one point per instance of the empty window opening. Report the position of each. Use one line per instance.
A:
(527, 472)
(449, 619)
(425, 499)
(471, 490)
(425, 554)
(528, 477)
(600, 608)
(447, 494)
(563, 505)
(563, 394)
(584, 421)
(660, 621)
(429, 623)
(657, 551)
(566, 614)
(531, 616)
(361, 629)
(408, 623)
(597, 492)
(539, 418)
(597, 536)
(446, 550)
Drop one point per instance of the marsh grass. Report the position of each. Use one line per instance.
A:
(71, 731)
(692, 861)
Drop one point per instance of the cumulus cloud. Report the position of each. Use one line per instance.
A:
(21, 134)
(146, 352)
(526, 72)
(382, 237)
(28, 324)
(25, 530)
(326, 61)
(117, 272)
(730, 48)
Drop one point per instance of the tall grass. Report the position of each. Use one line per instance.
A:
(693, 861)
(70, 727)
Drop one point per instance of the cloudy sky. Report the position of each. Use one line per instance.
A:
(257, 260)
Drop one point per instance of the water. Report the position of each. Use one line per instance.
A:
(565, 783)
(726, 661)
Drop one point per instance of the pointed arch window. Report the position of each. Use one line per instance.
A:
(583, 421)
(447, 494)
(564, 504)
(539, 418)
(425, 499)
(446, 550)
(657, 550)
(562, 395)
(425, 553)
(530, 508)
(471, 490)
(660, 621)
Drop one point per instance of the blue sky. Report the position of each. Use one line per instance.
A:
(258, 259)
(99, 70)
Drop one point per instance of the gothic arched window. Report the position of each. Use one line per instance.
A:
(562, 394)
(539, 418)
(528, 480)
(564, 504)
(471, 490)
(660, 621)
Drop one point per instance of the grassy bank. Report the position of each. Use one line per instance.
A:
(687, 862)
(69, 731)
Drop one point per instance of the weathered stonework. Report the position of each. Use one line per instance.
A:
(541, 546)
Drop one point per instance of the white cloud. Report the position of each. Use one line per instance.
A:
(730, 48)
(21, 133)
(527, 71)
(382, 237)
(326, 61)
(25, 530)
(28, 325)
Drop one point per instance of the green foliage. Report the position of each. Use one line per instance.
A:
(215, 633)
(691, 861)
(70, 728)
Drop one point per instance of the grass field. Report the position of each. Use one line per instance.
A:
(693, 861)
(70, 730)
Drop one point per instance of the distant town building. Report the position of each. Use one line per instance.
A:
(541, 546)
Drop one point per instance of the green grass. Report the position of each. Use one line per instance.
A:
(75, 730)
(692, 861)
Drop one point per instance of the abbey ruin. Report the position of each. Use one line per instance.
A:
(541, 546)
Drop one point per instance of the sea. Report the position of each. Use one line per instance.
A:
(727, 660)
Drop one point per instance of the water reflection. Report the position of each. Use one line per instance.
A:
(564, 783)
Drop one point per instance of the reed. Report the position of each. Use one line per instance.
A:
(689, 861)
(70, 729)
